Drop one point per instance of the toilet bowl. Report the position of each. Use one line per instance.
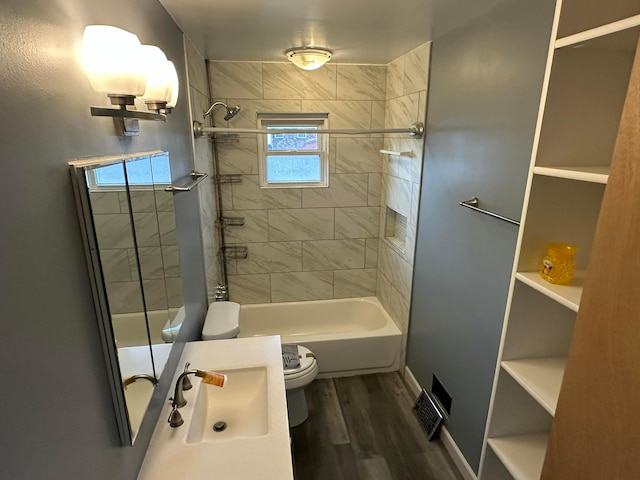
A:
(223, 321)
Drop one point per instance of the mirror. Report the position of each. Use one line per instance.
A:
(128, 222)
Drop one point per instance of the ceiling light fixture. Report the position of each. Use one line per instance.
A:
(308, 58)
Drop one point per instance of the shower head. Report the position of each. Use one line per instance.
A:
(231, 112)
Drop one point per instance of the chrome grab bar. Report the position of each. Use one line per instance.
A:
(197, 178)
(473, 205)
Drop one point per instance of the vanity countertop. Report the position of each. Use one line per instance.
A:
(172, 454)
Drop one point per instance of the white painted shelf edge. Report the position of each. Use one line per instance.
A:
(601, 31)
(541, 377)
(584, 174)
(569, 296)
(522, 455)
(397, 153)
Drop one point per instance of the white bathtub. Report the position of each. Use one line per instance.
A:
(349, 337)
(130, 328)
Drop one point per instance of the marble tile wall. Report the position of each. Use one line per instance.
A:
(313, 243)
(405, 103)
(199, 102)
(154, 223)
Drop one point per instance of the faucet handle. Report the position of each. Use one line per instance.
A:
(175, 418)
(186, 383)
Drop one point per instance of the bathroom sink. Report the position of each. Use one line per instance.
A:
(237, 410)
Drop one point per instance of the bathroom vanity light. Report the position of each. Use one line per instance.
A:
(308, 58)
(117, 64)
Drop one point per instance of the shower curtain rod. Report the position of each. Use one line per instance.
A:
(416, 130)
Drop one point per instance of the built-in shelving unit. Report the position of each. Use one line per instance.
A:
(583, 98)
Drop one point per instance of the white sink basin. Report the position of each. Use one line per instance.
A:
(242, 406)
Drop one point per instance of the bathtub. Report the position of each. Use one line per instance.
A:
(349, 336)
(130, 328)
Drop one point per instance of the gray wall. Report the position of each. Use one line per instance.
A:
(58, 420)
(485, 84)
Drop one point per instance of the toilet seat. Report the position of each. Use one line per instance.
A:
(305, 373)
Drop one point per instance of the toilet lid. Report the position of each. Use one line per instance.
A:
(307, 361)
(221, 321)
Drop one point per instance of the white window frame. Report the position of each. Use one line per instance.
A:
(320, 120)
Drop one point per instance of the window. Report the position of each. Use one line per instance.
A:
(289, 160)
(142, 171)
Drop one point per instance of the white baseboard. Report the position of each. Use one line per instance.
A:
(447, 440)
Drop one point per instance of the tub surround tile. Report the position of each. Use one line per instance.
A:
(249, 196)
(371, 253)
(236, 79)
(333, 254)
(343, 114)
(167, 226)
(105, 203)
(410, 243)
(143, 201)
(395, 305)
(422, 107)
(255, 228)
(301, 224)
(124, 297)
(199, 104)
(164, 200)
(151, 265)
(226, 193)
(397, 194)
(395, 269)
(415, 204)
(115, 265)
(248, 115)
(285, 80)
(250, 288)
(377, 115)
(402, 111)
(175, 296)
(196, 67)
(395, 78)
(241, 157)
(272, 257)
(171, 261)
(155, 294)
(361, 82)
(301, 286)
(358, 155)
(416, 69)
(354, 283)
(146, 225)
(113, 230)
(345, 190)
(374, 187)
(357, 222)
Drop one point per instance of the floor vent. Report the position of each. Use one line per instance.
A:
(428, 413)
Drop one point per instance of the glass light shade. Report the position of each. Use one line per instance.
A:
(308, 58)
(111, 60)
(175, 85)
(158, 87)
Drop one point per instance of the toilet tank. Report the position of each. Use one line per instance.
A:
(222, 321)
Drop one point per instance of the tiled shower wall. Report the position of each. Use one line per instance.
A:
(312, 243)
(199, 97)
(155, 225)
(307, 244)
(406, 94)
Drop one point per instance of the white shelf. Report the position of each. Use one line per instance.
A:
(598, 32)
(541, 377)
(583, 174)
(522, 455)
(569, 296)
(396, 153)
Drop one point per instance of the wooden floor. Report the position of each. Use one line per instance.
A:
(363, 428)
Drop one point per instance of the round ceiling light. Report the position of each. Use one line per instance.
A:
(308, 58)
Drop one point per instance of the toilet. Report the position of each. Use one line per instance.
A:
(223, 321)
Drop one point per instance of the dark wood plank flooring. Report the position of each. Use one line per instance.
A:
(363, 428)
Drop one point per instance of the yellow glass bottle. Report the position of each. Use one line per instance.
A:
(557, 266)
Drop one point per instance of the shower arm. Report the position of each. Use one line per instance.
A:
(416, 130)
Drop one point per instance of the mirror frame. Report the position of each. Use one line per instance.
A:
(98, 284)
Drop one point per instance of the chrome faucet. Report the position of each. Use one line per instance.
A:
(178, 401)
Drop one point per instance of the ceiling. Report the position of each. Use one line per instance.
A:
(358, 31)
